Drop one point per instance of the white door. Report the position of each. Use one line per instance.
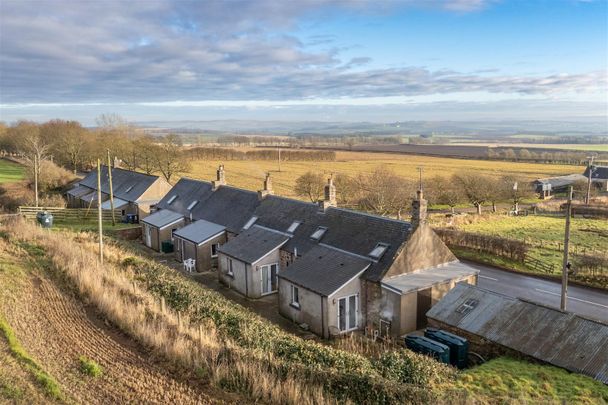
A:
(148, 236)
(269, 278)
(348, 313)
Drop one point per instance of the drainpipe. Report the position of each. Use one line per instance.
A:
(246, 283)
(323, 319)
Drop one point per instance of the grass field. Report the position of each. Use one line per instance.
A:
(561, 146)
(504, 380)
(249, 174)
(10, 172)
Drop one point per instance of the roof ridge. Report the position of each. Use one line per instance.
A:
(399, 221)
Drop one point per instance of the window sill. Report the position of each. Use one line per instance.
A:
(295, 306)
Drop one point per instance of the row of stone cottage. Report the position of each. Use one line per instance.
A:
(332, 269)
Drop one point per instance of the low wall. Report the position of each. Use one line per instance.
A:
(129, 233)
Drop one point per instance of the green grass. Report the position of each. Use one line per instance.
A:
(505, 379)
(90, 367)
(9, 391)
(10, 172)
(46, 381)
(90, 225)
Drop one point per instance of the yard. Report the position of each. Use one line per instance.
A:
(10, 172)
(249, 174)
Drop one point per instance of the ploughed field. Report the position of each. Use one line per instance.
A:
(249, 174)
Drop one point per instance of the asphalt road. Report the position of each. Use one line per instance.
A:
(587, 302)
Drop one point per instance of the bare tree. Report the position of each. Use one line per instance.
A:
(477, 188)
(146, 150)
(67, 140)
(32, 146)
(445, 191)
(310, 185)
(516, 190)
(347, 189)
(383, 192)
(170, 160)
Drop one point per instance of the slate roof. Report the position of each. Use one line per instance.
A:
(352, 231)
(253, 244)
(561, 181)
(598, 173)
(324, 270)
(162, 218)
(79, 191)
(228, 206)
(127, 185)
(199, 231)
(561, 338)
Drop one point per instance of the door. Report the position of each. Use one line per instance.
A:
(423, 305)
(148, 236)
(269, 278)
(348, 313)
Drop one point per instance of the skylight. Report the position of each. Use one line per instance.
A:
(171, 199)
(129, 189)
(378, 251)
(250, 222)
(293, 226)
(192, 205)
(318, 234)
(467, 306)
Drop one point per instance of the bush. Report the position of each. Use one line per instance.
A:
(52, 177)
(509, 248)
(89, 367)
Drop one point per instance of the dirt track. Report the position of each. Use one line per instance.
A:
(56, 330)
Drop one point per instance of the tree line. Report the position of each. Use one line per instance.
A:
(261, 154)
(385, 193)
(569, 157)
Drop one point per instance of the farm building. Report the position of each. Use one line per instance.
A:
(134, 193)
(333, 269)
(496, 324)
(599, 175)
(549, 186)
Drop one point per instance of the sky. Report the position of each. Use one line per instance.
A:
(304, 60)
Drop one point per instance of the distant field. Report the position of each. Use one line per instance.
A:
(249, 174)
(10, 172)
(591, 147)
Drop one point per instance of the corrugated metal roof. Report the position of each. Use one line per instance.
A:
(562, 181)
(561, 338)
(199, 231)
(324, 270)
(162, 218)
(253, 244)
(428, 277)
(79, 190)
(118, 203)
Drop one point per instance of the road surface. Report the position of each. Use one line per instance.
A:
(587, 302)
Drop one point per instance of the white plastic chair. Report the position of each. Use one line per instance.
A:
(189, 265)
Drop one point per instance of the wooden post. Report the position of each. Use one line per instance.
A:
(590, 165)
(36, 163)
(111, 192)
(564, 296)
(279, 148)
(162, 304)
(99, 211)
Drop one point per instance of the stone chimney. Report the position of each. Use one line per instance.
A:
(419, 206)
(267, 187)
(329, 195)
(221, 178)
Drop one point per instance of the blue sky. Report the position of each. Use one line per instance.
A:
(164, 60)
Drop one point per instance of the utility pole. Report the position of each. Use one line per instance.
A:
(565, 264)
(279, 148)
(99, 211)
(36, 176)
(420, 180)
(590, 167)
(111, 192)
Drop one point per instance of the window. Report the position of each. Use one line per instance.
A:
(129, 189)
(295, 297)
(270, 282)
(171, 200)
(293, 226)
(173, 233)
(318, 234)
(378, 251)
(348, 312)
(230, 270)
(192, 205)
(467, 306)
(250, 222)
(214, 249)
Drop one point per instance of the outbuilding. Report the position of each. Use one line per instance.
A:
(159, 227)
(200, 242)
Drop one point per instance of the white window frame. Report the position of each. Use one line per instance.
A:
(347, 313)
(320, 231)
(250, 223)
(295, 302)
(129, 189)
(217, 245)
(173, 198)
(261, 271)
(229, 267)
(294, 225)
(192, 205)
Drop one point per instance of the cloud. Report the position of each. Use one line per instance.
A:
(161, 50)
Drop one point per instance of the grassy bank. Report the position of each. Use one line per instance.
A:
(505, 379)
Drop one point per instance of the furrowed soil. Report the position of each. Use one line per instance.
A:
(56, 329)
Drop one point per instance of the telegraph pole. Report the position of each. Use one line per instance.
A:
(99, 211)
(590, 167)
(111, 192)
(279, 148)
(565, 264)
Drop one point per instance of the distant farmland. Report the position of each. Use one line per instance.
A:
(10, 172)
(249, 174)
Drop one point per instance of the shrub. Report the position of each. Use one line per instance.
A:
(52, 177)
(89, 367)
